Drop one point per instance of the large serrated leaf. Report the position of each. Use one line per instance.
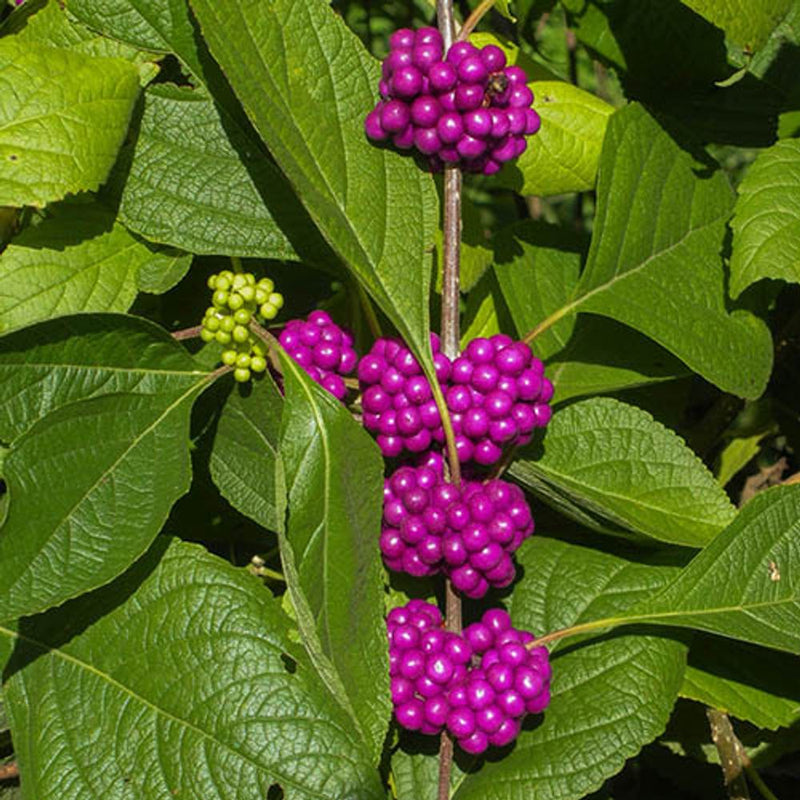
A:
(610, 696)
(244, 456)
(59, 362)
(186, 672)
(127, 458)
(766, 225)
(306, 82)
(655, 261)
(78, 260)
(63, 116)
(334, 484)
(194, 179)
(564, 155)
(619, 463)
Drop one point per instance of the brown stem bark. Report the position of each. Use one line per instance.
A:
(9, 771)
(731, 754)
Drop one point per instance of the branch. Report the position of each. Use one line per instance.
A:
(187, 333)
(9, 772)
(731, 754)
(474, 18)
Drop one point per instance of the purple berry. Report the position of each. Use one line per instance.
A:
(425, 111)
(493, 57)
(471, 69)
(406, 82)
(442, 76)
(478, 123)
(403, 37)
(459, 51)
(395, 116)
(468, 96)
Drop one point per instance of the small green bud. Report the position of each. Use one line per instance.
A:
(258, 349)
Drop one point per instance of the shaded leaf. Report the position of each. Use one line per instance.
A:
(78, 260)
(159, 275)
(334, 484)
(63, 117)
(242, 709)
(244, 456)
(59, 362)
(766, 225)
(619, 463)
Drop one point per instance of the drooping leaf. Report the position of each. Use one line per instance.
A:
(194, 179)
(63, 116)
(537, 267)
(747, 24)
(745, 584)
(182, 655)
(127, 456)
(306, 82)
(78, 260)
(565, 153)
(163, 26)
(159, 275)
(333, 477)
(60, 362)
(736, 455)
(51, 23)
(619, 463)
(655, 262)
(766, 225)
(621, 684)
(244, 456)
(751, 683)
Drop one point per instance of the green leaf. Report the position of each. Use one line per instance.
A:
(245, 452)
(655, 262)
(78, 260)
(334, 482)
(537, 267)
(127, 456)
(193, 179)
(619, 463)
(564, 155)
(744, 585)
(736, 455)
(159, 275)
(163, 26)
(610, 696)
(749, 682)
(766, 225)
(62, 120)
(504, 7)
(63, 361)
(306, 82)
(747, 24)
(185, 656)
(52, 24)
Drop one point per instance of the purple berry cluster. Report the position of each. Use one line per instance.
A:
(496, 392)
(322, 349)
(464, 107)
(478, 686)
(397, 399)
(469, 534)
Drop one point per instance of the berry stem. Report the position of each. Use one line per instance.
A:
(187, 333)
(545, 324)
(236, 263)
(474, 18)
(450, 340)
(272, 345)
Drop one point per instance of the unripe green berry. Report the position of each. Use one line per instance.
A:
(276, 299)
(258, 349)
(223, 337)
(235, 301)
(241, 375)
(243, 360)
(229, 357)
(207, 335)
(240, 334)
(223, 283)
(212, 281)
(211, 323)
(248, 293)
(227, 324)
(239, 281)
(242, 316)
(260, 296)
(220, 298)
(267, 284)
(251, 279)
(268, 311)
(258, 364)
(227, 274)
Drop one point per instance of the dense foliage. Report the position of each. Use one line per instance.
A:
(219, 295)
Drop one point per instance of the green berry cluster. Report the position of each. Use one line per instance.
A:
(237, 299)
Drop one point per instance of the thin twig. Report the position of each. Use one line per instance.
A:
(474, 18)
(450, 339)
(730, 754)
(757, 780)
(273, 345)
(187, 333)
(9, 772)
